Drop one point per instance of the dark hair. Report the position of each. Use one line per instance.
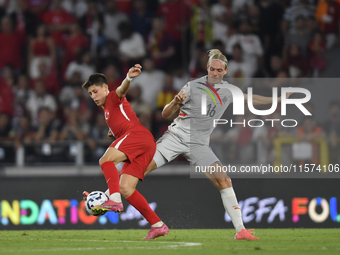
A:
(309, 117)
(311, 17)
(160, 17)
(125, 29)
(44, 108)
(81, 54)
(243, 21)
(46, 34)
(317, 31)
(97, 79)
(334, 103)
(237, 46)
(311, 106)
(300, 17)
(218, 43)
(200, 46)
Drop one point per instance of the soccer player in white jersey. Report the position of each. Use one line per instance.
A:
(189, 134)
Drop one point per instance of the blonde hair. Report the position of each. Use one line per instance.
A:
(215, 54)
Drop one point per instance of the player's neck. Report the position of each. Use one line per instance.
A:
(105, 101)
(213, 83)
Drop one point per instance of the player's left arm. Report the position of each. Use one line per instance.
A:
(261, 100)
(124, 87)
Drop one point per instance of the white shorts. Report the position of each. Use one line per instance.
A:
(170, 146)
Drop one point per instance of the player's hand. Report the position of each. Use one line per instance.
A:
(110, 134)
(289, 94)
(180, 97)
(135, 71)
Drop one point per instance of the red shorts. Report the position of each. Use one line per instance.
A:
(139, 147)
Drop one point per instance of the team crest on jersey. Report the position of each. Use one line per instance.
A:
(107, 115)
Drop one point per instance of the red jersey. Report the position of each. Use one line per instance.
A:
(41, 48)
(58, 17)
(176, 13)
(6, 97)
(10, 49)
(119, 115)
(333, 10)
(74, 44)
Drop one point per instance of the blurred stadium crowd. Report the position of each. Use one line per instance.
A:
(49, 47)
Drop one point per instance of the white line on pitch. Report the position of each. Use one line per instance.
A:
(115, 241)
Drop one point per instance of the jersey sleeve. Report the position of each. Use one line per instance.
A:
(230, 98)
(114, 98)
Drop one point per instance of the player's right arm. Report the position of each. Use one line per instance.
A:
(174, 105)
(124, 87)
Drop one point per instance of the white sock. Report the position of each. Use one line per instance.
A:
(116, 197)
(158, 224)
(231, 206)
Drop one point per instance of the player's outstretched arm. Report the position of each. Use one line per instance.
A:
(261, 100)
(124, 87)
(174, 105)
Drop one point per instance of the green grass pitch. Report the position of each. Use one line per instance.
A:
(194, 241)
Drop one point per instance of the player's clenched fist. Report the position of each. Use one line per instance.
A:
(135, 71)
(180, 97)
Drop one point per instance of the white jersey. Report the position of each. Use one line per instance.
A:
(191, 126)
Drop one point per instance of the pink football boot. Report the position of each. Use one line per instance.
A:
(246, 235)
(109, 205)
(157, 232)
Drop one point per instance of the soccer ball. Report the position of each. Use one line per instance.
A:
(93, 199)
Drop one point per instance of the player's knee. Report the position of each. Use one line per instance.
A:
(126, 189)
(223, 183)
(104, 159)
(153, 165)
(101, 161)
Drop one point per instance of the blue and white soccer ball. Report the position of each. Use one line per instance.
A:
(93, 199)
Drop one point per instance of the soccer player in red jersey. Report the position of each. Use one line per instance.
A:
(134, 145)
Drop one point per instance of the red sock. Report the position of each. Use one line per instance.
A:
(140, 203)
(111, 176)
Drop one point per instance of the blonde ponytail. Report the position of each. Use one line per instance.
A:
(215, 54)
